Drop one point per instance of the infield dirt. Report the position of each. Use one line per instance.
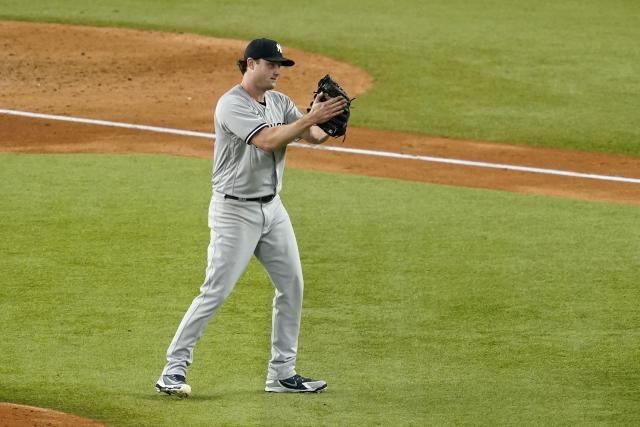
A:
(174, 80)
(12, 415)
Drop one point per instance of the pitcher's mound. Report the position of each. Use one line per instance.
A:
(12, 415)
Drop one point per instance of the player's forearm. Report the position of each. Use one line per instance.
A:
(315, 135)
(271, 139)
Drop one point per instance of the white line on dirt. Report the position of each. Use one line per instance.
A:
(107, 123)
(357, 151)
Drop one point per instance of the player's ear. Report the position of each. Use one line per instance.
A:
(251, 63)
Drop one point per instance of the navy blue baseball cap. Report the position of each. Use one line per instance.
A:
(266, 49)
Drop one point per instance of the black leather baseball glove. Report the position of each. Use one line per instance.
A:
(336, 126)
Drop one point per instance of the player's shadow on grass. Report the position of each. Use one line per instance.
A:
(166, 398)
(199, 397)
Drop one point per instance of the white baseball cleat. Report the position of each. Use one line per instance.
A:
(296, 384)
(174, 385)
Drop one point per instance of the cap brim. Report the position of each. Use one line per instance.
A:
(285, 62)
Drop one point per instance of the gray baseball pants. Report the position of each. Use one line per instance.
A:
(240, 229)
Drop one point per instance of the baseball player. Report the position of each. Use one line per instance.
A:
(253, 126)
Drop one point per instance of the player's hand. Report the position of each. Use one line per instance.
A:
(321, 111)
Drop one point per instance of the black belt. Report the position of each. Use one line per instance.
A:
(263, 199)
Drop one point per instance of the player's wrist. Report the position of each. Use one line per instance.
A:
(309, 119)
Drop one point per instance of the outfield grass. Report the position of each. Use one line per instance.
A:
(425, 305)
(550, 73)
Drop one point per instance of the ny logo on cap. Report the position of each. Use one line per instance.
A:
(279, 47)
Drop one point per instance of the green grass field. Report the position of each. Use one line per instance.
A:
(550, 73)
(425, 305)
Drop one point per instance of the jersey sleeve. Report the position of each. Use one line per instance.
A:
(238, 118)
(291, 113)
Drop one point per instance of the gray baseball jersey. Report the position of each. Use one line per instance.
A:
(241, 169)
(241, 229)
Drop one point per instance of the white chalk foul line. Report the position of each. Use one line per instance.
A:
(107, 123)
(358, 151)
(474, 163)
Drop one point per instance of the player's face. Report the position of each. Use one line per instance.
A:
(266, 74)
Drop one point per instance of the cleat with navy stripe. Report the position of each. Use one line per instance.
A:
(295, 384)
(174, 385)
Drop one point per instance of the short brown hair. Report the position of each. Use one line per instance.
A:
(242, 65)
